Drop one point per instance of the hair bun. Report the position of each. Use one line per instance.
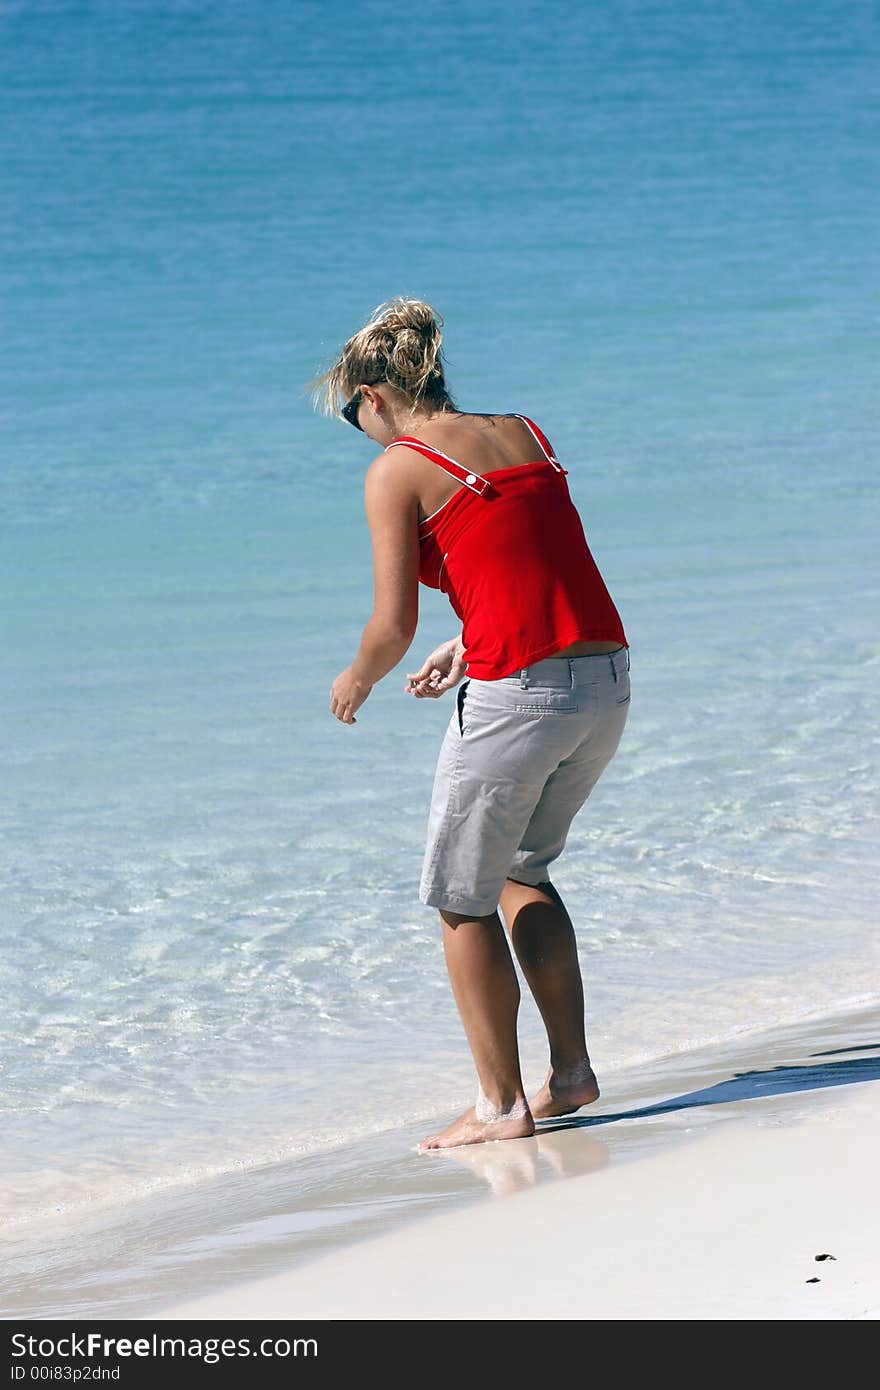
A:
(400, 343)
(407, 315)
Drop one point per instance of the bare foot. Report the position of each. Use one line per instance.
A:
(467, 1129)
(563, 1093)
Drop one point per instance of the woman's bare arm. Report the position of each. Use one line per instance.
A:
(392, 509)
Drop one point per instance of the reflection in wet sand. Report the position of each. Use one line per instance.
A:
(507, 1166)
(571, 1156)
(512, 1165)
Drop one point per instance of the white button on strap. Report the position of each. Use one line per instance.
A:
(471, 478)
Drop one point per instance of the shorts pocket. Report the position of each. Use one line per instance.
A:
(460, 695)
(535, 708)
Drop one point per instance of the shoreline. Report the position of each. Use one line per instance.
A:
(743, 1224)
(210, 1245)
(754, 1201)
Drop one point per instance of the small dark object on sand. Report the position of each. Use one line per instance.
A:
(826, 1257)
(814, 1280)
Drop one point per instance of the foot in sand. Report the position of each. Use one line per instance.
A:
(467, 1129)
(565, 1091)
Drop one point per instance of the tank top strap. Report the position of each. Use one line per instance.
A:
(543, 441)
(474, 481)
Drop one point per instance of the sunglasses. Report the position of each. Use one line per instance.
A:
(350, 410)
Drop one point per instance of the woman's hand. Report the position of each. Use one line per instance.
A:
(439, 672)
(347, 694)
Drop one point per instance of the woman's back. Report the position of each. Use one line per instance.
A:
(504, 541)
(480, 443)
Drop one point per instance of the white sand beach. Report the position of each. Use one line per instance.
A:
(754, 1199)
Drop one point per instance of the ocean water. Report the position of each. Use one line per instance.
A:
(649, 226)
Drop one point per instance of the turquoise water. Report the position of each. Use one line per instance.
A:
(650, 227)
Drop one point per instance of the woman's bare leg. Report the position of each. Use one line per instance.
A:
(486, 991)
(543, 938)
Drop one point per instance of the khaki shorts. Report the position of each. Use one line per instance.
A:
(520, 757)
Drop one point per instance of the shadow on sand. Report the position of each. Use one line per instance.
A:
(747, 1085)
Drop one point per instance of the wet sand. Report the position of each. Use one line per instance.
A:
(708, 1192)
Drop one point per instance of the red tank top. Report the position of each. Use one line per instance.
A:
(510, 553)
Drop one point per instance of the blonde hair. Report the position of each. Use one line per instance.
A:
(399, 345)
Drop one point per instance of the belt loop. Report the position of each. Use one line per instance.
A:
(524, 678)
(627, 658)
(614, 669)
(570, 674)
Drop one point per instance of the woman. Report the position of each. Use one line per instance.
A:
(478, 506)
